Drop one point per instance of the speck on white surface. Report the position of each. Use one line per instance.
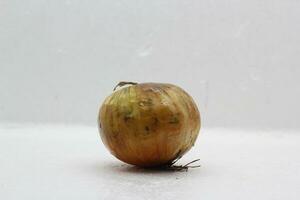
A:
(70, 162)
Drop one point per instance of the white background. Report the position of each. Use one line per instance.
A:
(239, 60)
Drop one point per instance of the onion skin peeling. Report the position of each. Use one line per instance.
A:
(149, 124)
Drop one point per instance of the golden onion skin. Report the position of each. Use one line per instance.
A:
(149, 124)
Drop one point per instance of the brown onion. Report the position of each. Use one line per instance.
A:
(149, 124)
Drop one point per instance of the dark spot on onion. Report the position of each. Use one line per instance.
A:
(155, 121)
(126, 118)
(147, 128)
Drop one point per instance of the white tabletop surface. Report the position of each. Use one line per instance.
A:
(70, 162)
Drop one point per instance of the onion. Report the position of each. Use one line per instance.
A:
(149, 124)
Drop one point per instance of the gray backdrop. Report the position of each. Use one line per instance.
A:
(238, 59)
